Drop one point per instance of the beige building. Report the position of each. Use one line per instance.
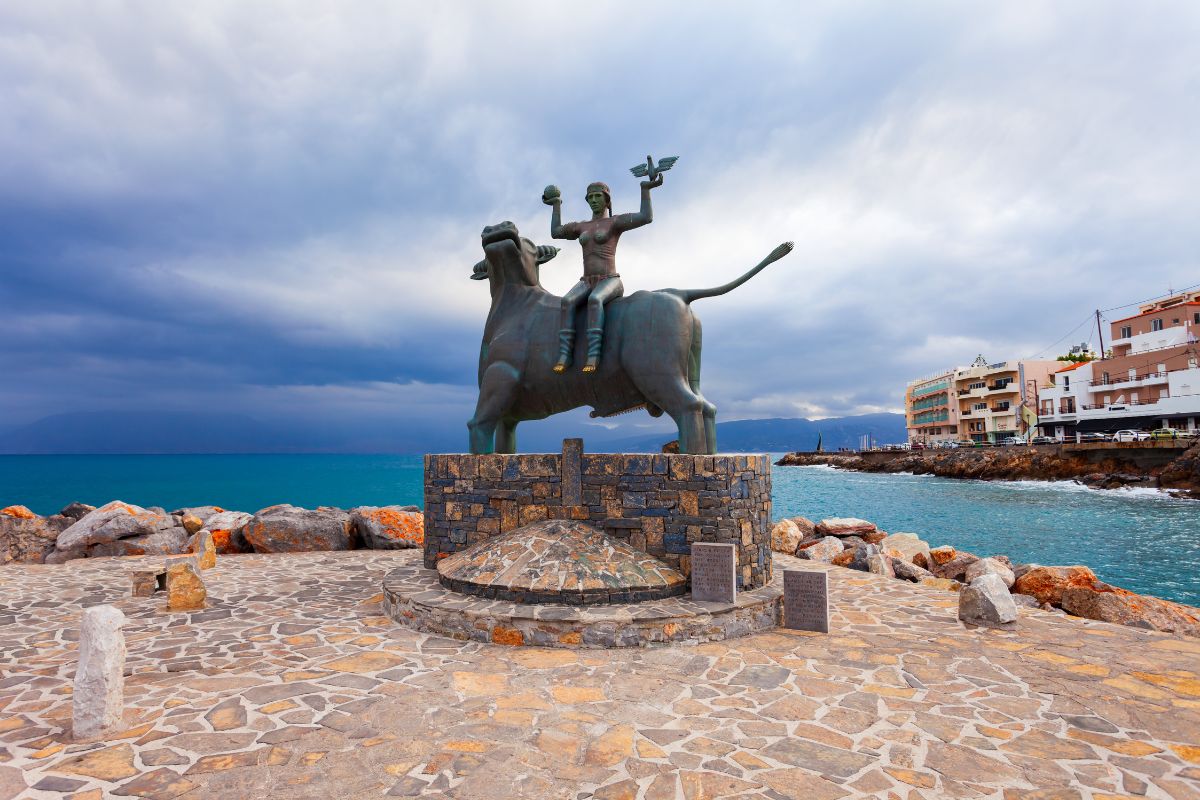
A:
(991, 397)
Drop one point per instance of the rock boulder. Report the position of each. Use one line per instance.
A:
(992, 566)
(227, 529)
(110, 522)
(986, 602)
(77, 510)
(1111, 604)
(26, 538)
(169, 542)
(288, 529)
(844, 526)
(98, 698)
(806, 526)
(786, 537)
(1047, 584)
(906, 546)
(955, 568)
(906, 570)
(823, 549)
(389, 527)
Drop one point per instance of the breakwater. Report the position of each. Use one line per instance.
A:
(1106, 465)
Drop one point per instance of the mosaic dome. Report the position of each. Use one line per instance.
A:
(559, 561)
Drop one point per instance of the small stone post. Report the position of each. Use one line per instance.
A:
(99, 695)
(185, 587)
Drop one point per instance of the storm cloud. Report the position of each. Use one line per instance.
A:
(272, 209)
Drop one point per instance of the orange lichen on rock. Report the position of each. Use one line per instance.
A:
(406, 526)
(943, 554)
(1047, 584)
(20, 512)
(509, 636)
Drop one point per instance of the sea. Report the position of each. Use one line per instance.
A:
(1144, 540)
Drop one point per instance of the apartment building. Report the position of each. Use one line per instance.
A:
(991, 397)
(982, 402)
(1149, 378)
(932, 415)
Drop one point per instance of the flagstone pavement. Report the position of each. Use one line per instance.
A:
(293, 685)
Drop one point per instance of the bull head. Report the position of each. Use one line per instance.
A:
(509, 258)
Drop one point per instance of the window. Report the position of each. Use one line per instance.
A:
(1196, 318)
(1175, 321)
(1107, 399)
(979, 406)
(1066, 383)
(1132, 374)
(1105, 379)
(1162, 369)
(1127, 331)
(1156, 325)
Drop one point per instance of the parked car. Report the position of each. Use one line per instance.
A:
(1130, 436)
(1093, 437)
(1010, 441)
(1041, 440)
(918, 445)
(1164, 433)
(948, 445)
(965, 443)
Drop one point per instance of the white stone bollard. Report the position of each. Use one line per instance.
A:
(99, 696)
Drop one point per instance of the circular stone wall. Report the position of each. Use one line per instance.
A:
(414, 597)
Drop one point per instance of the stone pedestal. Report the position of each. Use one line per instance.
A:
(658, 503)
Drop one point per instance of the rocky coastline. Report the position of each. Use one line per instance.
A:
(119, 529)
(1112, 470)
(860, 545)
(123, 529)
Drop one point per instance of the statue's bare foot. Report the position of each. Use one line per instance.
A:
(560, 367)
(590, 366)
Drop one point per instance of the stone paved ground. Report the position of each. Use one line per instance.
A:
(293, 686)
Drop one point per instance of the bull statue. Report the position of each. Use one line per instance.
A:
(651, 353)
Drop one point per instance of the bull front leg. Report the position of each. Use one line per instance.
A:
(497, 390)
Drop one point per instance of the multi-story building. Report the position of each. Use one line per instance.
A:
(982, 402)
(932, 414)
(992, 396)
(1150, 378)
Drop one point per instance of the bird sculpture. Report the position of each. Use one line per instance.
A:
(648, 170)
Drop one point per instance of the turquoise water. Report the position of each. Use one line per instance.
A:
(1143, 540)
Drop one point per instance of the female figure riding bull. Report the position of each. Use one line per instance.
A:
(600, 282)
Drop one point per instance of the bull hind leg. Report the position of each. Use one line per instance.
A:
(497, 389)
(506, 436)
(687, 409)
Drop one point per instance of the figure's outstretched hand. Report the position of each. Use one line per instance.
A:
(551, 195)
(658, 179)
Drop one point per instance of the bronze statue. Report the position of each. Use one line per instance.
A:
(651, 350)
(598, 237)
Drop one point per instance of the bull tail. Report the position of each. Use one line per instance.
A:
(688, 295)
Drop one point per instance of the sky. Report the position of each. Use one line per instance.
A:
(272, 209)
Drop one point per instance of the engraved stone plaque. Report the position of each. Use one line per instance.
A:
(713, 572)
(806, 600)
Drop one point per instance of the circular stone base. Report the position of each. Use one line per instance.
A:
(559, 561)
(413, 596)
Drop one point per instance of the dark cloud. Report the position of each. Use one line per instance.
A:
(265, 210)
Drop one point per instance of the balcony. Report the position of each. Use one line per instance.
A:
(1136, 380)
(1000, 387)
(1002, 408)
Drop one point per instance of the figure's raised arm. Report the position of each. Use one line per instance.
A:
(645, 214)
(553, 198)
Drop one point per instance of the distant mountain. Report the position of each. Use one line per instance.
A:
(782, 435)
(145, 432)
